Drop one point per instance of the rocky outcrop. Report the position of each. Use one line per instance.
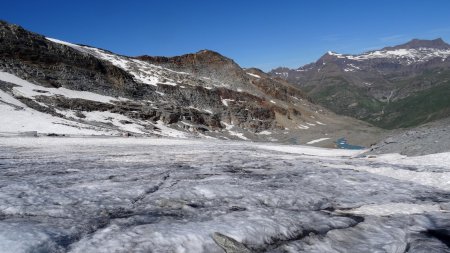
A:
(34, 58)
(228, 244)
(204, 63)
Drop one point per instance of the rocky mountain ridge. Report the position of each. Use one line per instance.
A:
(85, 89)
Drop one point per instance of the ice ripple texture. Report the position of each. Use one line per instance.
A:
(166, 195)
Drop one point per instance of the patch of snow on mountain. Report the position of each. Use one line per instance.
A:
(115, 119)
(142, 71)
(301, 126)
(225, 101)
(237, 134)
(404, 56)
(27, 89)
(63, 42)
(282, 74)
(317, 140)
(351, 68)
(230, 127)
(170, 132)
(254, 75)
(20, 118)
(202, 109)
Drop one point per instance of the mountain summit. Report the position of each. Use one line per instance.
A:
(399, 86)
(438, 43)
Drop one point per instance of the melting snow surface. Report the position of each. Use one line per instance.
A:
(394, 208)
(172, 195)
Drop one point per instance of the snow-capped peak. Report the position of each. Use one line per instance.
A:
(333, 53)
(404, 56)
(408, 53)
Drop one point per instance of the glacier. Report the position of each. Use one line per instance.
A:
(113, 194)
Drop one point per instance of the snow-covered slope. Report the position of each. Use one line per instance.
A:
(141, 71)
(26, 89)
(17, 117)
(402, 55)
(145, 72)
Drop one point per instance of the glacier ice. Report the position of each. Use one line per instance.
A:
(173, 195)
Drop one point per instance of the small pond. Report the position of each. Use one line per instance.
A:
(343, 144)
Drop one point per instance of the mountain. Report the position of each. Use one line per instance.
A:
(394, 87)
(52, 86)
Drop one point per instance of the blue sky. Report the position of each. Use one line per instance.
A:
(263, 34)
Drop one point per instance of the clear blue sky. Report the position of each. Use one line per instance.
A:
(263, 34)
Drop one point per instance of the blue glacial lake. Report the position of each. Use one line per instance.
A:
(343, 144)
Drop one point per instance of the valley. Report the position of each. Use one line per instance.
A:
(395, 87)
(104, 152)
(82, 90)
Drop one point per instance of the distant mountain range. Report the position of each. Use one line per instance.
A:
(394, 87)
(52, 86)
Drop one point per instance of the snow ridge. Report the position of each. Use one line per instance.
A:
(405, 56)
